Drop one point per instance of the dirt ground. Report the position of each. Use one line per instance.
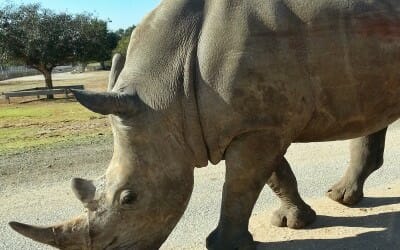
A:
(372, 224)
(41, 181)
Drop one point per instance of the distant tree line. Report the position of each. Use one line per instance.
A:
(42, 39)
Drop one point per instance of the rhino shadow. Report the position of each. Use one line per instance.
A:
(371, 202)
(388, 238)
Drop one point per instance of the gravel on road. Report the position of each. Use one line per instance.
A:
(34, 186)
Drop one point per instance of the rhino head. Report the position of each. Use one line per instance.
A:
(145, 189)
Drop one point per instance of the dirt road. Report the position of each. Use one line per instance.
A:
(34, 188)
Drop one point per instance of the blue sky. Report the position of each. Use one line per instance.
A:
(122, 13)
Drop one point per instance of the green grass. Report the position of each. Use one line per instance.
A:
(30, 143)
(46, 123)
(55, 111)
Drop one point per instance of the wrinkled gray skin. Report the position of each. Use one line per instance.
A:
(235, 80)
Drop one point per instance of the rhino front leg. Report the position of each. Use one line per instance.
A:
(294, 212)
(366, 157)
(247, 169)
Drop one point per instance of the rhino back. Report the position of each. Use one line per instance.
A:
(306, 69)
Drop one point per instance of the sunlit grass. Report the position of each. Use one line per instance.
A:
(43, 124)
(45, 112)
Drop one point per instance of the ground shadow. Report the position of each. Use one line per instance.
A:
(382, 220)
(387, 237)
(366, 241)
(370, 202)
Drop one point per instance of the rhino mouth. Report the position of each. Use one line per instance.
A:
(111, 245)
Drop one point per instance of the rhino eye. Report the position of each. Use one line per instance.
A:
(127, 197)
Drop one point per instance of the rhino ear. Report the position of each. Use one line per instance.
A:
(83, 189)
(107, 103)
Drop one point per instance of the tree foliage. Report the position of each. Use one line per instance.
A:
(43, 39)
(37, 37)
(124, 38)
(95, 42)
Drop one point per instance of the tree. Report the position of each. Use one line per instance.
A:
(43, 39)
(37, 37)
(96, 42)
(111, 43)
(124, 38)
(4, 58)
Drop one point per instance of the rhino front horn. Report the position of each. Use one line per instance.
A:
(73, 234)
(107, 103)
(41, 234)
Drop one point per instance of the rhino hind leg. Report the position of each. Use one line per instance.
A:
(294, 212)
(247, 169)
(366, 157)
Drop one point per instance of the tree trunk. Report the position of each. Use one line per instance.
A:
(83, 67)
(49, 81)
(103, 65)
(46, 71)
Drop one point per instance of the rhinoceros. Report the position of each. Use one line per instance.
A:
(237, 81)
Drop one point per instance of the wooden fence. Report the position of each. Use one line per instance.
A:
(41, 91)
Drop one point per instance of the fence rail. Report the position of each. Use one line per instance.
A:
(41, 91)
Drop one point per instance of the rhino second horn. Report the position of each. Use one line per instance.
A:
(118, 62)
(83, 189)
(40, 234)
(107, 103)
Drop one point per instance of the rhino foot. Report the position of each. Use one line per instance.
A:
(293, 217)
(218, 241)
(346, 194)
